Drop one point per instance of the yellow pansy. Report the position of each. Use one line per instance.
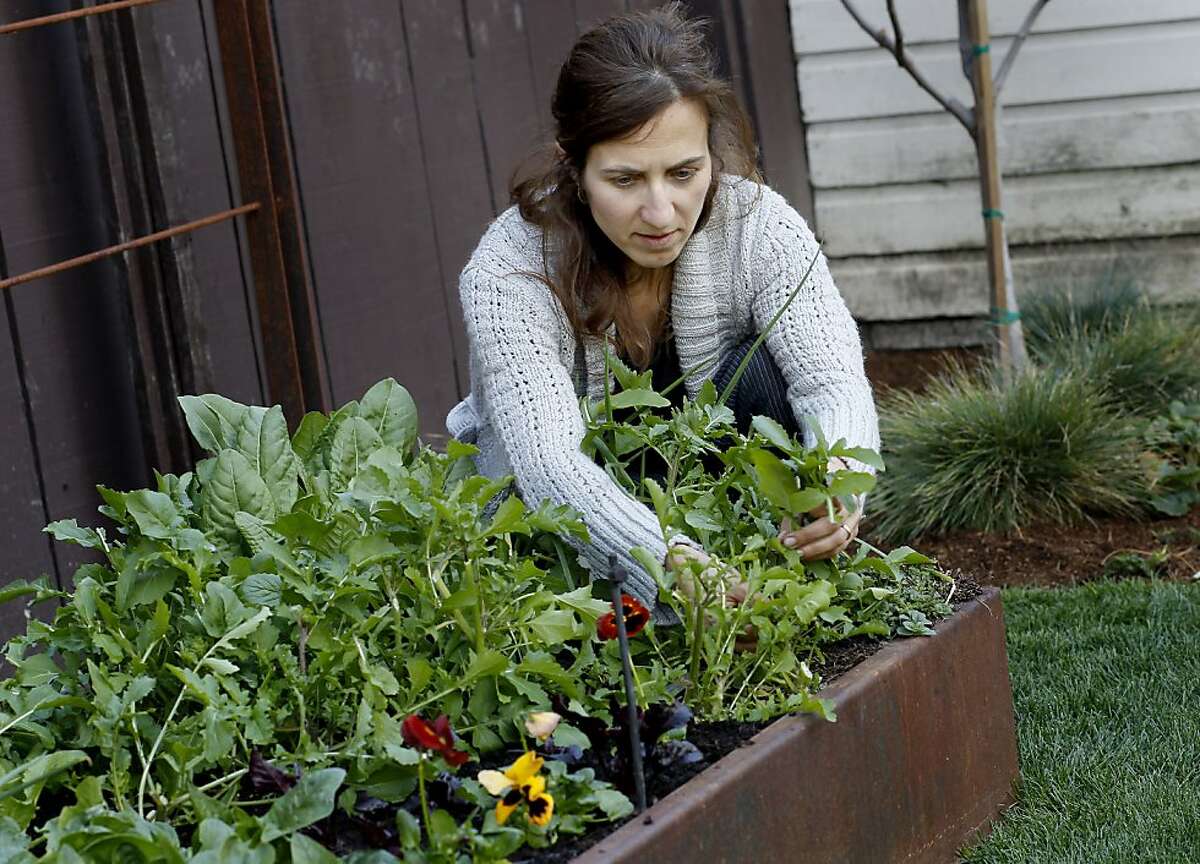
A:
(521, 781)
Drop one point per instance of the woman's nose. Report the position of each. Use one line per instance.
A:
(658, 209)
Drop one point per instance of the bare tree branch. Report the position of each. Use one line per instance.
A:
(964, 43)
(960, 111)
(1018, 40)
(891, 7)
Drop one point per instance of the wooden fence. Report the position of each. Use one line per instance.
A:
(405, 121)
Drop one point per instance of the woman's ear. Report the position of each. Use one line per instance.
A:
(559, 152)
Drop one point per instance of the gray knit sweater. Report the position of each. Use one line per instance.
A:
(730, 280)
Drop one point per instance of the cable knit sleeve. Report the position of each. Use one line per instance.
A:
(514, 326)
(816, 342)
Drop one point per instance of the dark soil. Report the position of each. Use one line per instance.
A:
(713, 739)
(912, 370)
(1055, 555)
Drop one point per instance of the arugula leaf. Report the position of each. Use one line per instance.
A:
(311, 799)
(639, 399)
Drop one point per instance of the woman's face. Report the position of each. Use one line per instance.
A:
(646, 191)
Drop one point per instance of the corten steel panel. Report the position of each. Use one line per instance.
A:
(922, 757)
(365, 195)
(286, 306)
(74, 340)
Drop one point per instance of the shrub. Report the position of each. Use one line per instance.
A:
(1144, 356)
(974, 454)
(1059, 312)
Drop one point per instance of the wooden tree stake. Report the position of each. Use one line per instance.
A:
(1006, 316)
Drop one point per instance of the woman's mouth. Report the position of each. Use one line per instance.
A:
(657, 241)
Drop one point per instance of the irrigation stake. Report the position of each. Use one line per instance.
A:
(616, 579)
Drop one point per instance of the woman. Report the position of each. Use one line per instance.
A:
(648, 230)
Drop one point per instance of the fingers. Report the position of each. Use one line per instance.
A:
(736, 594)
(748, 641)
(818, 529)
(823, 538)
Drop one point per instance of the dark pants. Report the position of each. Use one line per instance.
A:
(761, 389)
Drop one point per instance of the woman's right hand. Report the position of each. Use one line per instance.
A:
(679, 561)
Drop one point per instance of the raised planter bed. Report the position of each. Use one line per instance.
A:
(922, 758)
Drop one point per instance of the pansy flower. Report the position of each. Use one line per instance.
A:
(437, 737)
(520, 782)
(635, 614)
(541, 724)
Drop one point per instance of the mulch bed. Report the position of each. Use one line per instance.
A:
(1054, 555)
(1049, 555)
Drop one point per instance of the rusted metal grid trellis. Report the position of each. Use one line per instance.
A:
(296, 377)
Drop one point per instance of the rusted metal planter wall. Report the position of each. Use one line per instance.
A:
(922, 758)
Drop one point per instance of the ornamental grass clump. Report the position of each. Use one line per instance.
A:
(972, 453)
(1144, 356)
(1059, 312)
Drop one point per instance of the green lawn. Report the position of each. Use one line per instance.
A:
(1106, 680)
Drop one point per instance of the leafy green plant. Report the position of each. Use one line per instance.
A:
(295, 595)
(1174, 439)
(974, 453)
(730, 492)
(1137, 565)
(297, 600)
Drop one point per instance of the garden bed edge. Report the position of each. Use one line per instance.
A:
(922, 758)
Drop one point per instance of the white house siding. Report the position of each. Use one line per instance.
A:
(1099, 144)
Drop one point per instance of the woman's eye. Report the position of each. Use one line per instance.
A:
(685, 173)
(623, 182)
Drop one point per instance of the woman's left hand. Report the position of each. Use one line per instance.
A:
(822, 538)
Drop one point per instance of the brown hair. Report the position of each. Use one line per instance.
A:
(618, 77)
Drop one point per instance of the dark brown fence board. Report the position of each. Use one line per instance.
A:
(589, 13)
(187, 148)
(74, 342)
(366, 204)
(552, 29)
(503, 88)
(452, 147)
(25, 553)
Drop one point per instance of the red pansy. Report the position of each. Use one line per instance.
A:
(635, 614)
(436, 737)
